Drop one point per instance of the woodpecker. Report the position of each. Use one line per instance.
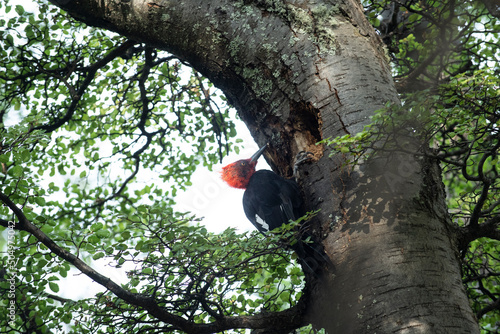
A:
(270, 201)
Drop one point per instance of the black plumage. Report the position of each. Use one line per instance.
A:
(270, 201)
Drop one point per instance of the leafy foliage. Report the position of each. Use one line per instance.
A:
(430, 42)
(91, 121)
(189, 272)
(104, 104)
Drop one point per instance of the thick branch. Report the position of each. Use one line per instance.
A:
(489, 229)
(495, 305)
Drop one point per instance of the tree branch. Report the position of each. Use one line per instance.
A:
(489, 229)
(289, 319)
(91, 72)
(495, 305)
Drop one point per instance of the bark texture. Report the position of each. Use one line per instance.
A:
(298, 72)
(397, 267)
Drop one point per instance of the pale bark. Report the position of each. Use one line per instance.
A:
(298, 72)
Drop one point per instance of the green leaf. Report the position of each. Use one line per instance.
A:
(25, 155)
(66, 317)
(93, 239)
(285, 296)
(54, 287)
(96, 227)
(103, 234)
(39, 200)
(147, 271)
(4, 158)
(19, 9)
(16, 171)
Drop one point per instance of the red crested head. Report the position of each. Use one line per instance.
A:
(237, 174)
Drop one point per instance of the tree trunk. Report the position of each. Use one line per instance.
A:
(299, 72)
(393, 246)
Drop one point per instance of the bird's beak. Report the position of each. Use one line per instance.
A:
(257, 154)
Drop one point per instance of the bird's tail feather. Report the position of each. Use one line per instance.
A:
(312, 256)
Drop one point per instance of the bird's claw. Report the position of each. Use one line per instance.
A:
(303, 156)
(300, 158)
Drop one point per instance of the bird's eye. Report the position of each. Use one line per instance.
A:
(243, 163)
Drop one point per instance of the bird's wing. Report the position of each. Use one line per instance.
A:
(286, 208)
(269, 206)
(271, 201)
(262, 215)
